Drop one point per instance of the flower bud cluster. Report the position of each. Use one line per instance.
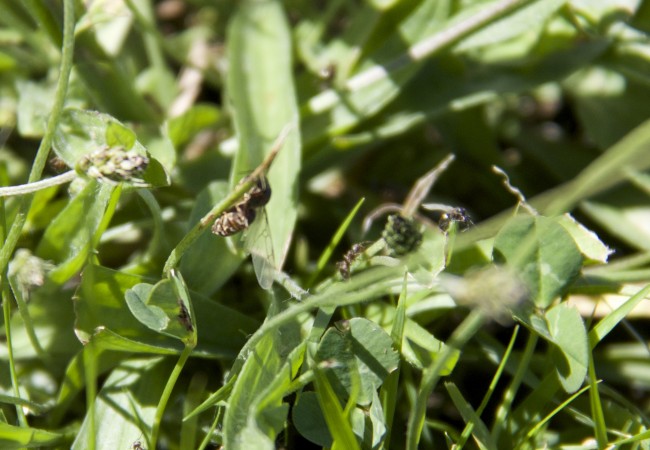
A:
(114, 164)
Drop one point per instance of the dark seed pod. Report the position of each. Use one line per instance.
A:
(402, 235)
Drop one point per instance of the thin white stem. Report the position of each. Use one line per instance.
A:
(38, 185)
(417, 52)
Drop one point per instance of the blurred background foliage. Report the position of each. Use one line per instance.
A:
(550, 91)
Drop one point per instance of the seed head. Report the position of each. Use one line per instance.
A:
(114, 164)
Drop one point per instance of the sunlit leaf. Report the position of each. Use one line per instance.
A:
(543, 253)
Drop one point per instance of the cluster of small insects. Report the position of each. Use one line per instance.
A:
(241, 215)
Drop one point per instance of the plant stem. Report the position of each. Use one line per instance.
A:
(500, 421)
(468, 328)
(467, 431)
(164, 398)
(28, 188)
(44, 148)
(90, 353)
(231, 199)
(6, 309)
(6, 312)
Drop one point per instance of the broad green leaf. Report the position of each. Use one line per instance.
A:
(160, 85)
(101, 303)
(16, 437)
(45, 206)
(625, 221)
(542, 252)
(261, 90)
(81, 133)
(420, 348)
(349, 109)
(117, 135)
(50, 317)
(252, 437)
(630, 55)
(184, 127)
(459, 85)
(105, 339)
(105, 76)
(529, 19)
(539, 324)
(368, 424)
(165, 297)
(260, 369)
(342, 435)
(609, 104)
(358, 345)
(186, 315)
(74, 378)
(74, 234)
(607, 171)
(126, 403)
(429, 259)
(7, 63)
(591, 247)
(600, 12)
(109, 22)
(308, 419)
(570, 337)
(284, 384)
(151, 316)
(34, 105)
(563, 327)
(209, 263)
(383, 4)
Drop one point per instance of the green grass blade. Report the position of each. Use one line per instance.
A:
(539, 425)
(597, 415)
(486, 398)
(338, 235)
(504, 410)
(335, 417)
(263, 99)
(468, 328)
(389, 390)
(607, 324)
(479, 429)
